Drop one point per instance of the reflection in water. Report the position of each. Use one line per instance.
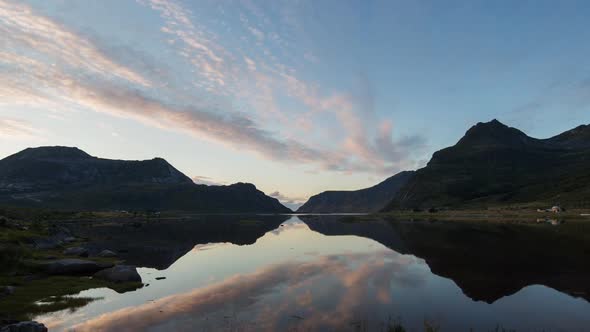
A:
(158, 244)
(293, 278)
(488, 261)
(276, 296)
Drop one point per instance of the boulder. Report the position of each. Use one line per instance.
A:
(70, 239)
(119, 273)
(76, 251)
(75, 267)
(47, 243)
(59, 231)
(24, 327)
(7, 290)
(58, 236)
(107, 253)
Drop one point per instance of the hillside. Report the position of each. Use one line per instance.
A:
(68, 178)
(365, 200)
(494, 165)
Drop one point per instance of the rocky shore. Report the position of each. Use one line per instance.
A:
(46, 262)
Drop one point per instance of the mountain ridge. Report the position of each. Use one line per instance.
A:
(69, 178)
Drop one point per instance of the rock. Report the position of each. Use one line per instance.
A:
(59, 231)
(76, 251)
(107, 253)
(31, 277)
(47, 243)
(69, 239)
(120, 273)
(24, 327)
(7, 290)
(58, 236)
(4, 322)
(74, 267)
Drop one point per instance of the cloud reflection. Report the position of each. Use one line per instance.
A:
(322, 294)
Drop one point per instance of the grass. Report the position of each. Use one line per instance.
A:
(395, 326)
(58, 303)
(488, 215)
(433, 327)
(36, 293)
(54, 293)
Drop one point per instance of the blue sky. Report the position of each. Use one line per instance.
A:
(295, 96)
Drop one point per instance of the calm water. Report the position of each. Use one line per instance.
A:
(331, 274)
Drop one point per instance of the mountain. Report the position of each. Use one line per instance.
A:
(69, 178)
(495, 165)
(365, 200)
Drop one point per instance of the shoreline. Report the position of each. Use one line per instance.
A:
(490, 215)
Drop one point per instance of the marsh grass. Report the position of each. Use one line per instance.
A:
(49, 294)
(58, 303)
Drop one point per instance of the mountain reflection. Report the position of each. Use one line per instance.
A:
(159, 243)
(487, 260)
(330, 273)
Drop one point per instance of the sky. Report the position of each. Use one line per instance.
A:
(294, 96)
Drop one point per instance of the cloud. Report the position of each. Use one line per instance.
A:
(25, 31)
(265, 79)
(195, 42)
(206, 181)
(292, 202)
(18, 129)
(46, 65)
(287, 199)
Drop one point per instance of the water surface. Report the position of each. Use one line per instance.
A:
(329, 273)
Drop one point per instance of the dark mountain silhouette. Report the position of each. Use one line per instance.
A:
(365, 200)
(494, 164)
(69, 178)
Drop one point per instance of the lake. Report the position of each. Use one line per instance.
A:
(336, 273)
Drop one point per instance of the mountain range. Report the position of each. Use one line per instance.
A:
(491, 165)
(69, 178)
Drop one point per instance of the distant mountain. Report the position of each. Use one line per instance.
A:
(494, 164)
(69, 178)
(365, 200)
